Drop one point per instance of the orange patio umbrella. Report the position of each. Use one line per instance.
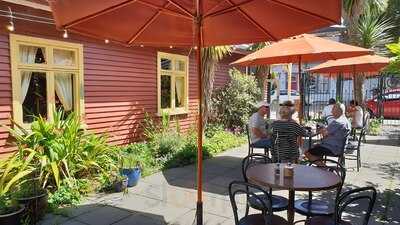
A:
(299, 49)
(367, 65)
(193, 23)
(360, 64)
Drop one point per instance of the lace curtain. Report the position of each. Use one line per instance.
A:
(27, 55)
(179, 89)
(64, 88)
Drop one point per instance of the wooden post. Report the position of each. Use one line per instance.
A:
(199, 41)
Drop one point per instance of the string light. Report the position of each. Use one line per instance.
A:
(195, 47)
(65, 34)
(170, 46)
(106, 41)
(141, 46)
(11, 26)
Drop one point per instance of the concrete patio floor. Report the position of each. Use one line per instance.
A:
(169, 197)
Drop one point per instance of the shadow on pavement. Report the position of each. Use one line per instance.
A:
(94, 214)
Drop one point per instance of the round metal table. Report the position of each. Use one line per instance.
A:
(305, 178)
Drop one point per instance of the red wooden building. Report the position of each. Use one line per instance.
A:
(111, 86)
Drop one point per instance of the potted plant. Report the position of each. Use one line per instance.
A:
(10, 211)
(130, 167)
(121, 183)
(31, 194)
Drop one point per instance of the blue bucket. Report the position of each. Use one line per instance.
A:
(133, 176)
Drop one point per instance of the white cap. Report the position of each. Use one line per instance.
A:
(261, 104)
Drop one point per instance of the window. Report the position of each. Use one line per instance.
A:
(172, 83)
(322, 84)
(46, 75)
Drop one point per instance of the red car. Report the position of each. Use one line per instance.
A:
(390, 104)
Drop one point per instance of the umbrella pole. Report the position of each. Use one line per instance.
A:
(199, 206)
(301, 89)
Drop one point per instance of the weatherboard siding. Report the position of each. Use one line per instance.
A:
(120, 85)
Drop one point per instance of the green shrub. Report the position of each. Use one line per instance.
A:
(59, 150)
(375, 126)
(222, 140)
(213, 128)
(66, 194)
(144, 156)
(233, 104)
(7, 204)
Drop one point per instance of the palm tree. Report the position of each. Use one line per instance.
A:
(368, 27)
(261, 71)
(210, 57)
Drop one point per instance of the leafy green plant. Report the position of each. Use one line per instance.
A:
(141, 155)
(375, 126)
(65, 195)
(233, 104)
(29, 188)
(7, 205)
(221, 141)
(60, 149)
(394, 66)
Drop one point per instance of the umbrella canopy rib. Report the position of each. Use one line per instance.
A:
(147, 24)
(166, 11)
(226, 10)
(180, 7)
(257, 25)
(99, 13)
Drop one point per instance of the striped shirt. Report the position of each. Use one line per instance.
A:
(284, 135)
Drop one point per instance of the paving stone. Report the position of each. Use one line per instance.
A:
(140, 219)
(104, 216)
(51, 219)
(136, 203)
(189, 218)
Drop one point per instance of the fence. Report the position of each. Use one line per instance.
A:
(381, 96)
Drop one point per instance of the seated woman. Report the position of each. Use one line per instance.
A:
(285, 134)
(355, 112)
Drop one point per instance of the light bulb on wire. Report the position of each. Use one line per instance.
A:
(65, 34)
(106, 41)
(10, 25)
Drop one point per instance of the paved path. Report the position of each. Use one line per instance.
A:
(169, 197)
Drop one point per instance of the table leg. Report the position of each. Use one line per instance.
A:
(290, 211)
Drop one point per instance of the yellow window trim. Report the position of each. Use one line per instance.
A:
(49, 68)
(173, 73)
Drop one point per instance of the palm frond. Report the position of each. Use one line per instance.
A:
(373, 31)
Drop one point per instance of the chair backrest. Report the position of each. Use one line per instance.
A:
(253, 159)
(248, 133)
(367, 117)
(345, 139)
(362, 133)
(332, 166)
(251, 191)
(352, 197)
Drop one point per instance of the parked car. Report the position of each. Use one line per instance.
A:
(283, 96)
(390, 104)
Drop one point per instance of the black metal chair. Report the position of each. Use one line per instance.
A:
(352, 148)
(266, 217)
(341, 158)
(251, 145)
(354, 131)
(313, 207)
(348, 199)
(279, 203)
